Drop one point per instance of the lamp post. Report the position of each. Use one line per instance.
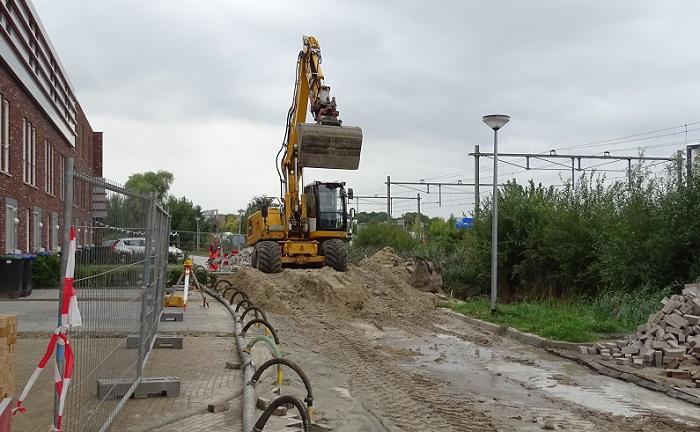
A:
(197, 219)
(495, 122)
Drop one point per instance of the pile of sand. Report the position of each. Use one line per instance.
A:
(378, 289)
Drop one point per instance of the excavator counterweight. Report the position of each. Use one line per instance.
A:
(331, 147)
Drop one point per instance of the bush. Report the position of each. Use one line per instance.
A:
(46, 271)
(173, 276)
(380, 235)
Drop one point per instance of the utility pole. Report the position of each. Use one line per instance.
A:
(388, 199)
(476, 180)
(420, 218)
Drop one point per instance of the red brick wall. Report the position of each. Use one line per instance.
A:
(87, 154)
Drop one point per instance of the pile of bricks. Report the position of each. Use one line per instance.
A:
(669, 339)
(8, 344)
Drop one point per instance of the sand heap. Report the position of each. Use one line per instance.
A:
(669, 339)
(378, 289)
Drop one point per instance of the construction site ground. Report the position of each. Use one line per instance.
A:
(381, 357)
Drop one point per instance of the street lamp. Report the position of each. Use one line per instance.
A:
(240, 221)
(495, 122)
(197, 219)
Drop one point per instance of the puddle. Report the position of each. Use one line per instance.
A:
(496, 374)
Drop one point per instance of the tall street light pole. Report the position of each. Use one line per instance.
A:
(495, 122)
(197, 219)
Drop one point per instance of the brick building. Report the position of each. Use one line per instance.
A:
(41, 123)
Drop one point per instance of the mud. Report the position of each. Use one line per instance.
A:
(381, 357)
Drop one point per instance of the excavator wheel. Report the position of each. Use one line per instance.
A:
(269, 257)
(336, 254)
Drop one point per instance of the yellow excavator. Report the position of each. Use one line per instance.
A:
(310, 227)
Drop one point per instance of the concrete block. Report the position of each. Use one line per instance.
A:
(675, 331)
(162, 386)
(111, 388)
(172, 315)
(583, 349)
(162, 341)
(658, 358)
(233, 365)
(168, 341)
(678, 373)
(674, 352)
(592, 350)
(676, 321)
(692, 319)
(217, 407)
(261, 403)
(638, 363)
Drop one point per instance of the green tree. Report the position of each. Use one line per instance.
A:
(157, 183)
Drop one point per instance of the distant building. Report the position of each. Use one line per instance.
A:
(41, 123)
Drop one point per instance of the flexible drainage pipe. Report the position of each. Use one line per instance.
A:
(246, 364)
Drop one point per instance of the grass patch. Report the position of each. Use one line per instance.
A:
(572, 321)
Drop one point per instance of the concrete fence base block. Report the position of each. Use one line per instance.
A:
(162, 341)
(110, 388)
(171, 315)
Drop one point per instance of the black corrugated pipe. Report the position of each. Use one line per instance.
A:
(242, 302)
(263, 322)
(256, 310)
(283, 361)
(286, 399)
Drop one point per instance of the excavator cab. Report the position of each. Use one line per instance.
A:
(326, 209)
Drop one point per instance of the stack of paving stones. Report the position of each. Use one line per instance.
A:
(8, 343)
(670, 339)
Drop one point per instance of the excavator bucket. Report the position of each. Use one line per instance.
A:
(332, 147)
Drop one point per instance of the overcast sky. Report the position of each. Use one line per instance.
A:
(202, 88)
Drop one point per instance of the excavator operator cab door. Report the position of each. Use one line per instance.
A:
(326, 207)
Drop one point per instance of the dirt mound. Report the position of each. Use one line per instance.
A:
(378, 289)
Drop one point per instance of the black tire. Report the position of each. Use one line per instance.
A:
(254, 258)
(336, 253)
(269, 257)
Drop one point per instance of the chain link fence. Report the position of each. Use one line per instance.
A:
(120, 274)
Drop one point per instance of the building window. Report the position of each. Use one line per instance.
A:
(28, 152)
(5, 135)
(27, 231)
(49, 168)
(36, 237)
(61, 175)
(54, 230)
(11, 225)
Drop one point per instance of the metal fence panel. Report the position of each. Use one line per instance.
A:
(119, 280)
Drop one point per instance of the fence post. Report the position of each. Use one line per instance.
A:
(144, 333)
(68, 178)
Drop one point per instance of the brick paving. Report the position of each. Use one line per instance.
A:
(200, 367)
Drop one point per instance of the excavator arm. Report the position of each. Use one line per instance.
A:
(322, 144)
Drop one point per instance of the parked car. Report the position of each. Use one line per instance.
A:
(127, 246)
(137, 245)
(176, 253)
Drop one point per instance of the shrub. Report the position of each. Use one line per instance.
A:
(380, 235)
(46, 271)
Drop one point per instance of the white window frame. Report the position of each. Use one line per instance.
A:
(5, 136)
(11, 225)
(36, 229)
(61, 176)
(54, 230)
(49, 168)
(28, 152)
(27, 231)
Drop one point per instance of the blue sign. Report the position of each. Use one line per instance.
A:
(465, 223)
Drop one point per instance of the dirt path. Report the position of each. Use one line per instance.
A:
(382, 358)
